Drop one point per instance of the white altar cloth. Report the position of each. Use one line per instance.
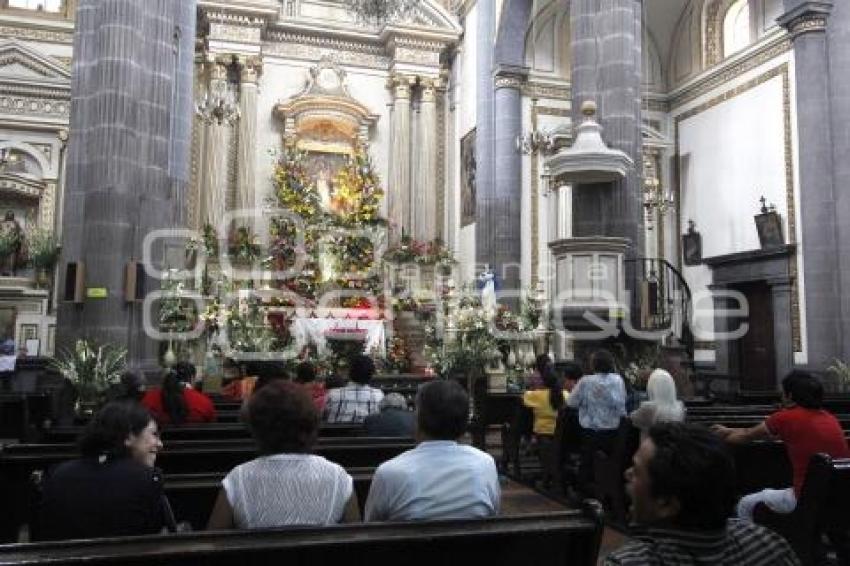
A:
(312, 330)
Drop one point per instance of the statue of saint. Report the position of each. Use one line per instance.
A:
(324, 185)
(12, 236)
(488, 291)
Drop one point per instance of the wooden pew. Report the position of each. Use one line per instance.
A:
(18, 462)
(192, 496)
(821, 510)
(556, 539)
(207, 431)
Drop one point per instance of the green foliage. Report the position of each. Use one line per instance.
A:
(92, 368)
(43, 249)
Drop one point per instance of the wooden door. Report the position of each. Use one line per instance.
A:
(756, 351)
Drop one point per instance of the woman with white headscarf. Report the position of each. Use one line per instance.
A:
(662, 406)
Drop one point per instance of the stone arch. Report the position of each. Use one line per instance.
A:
(32, 152)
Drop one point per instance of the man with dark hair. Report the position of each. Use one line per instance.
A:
(804, 427)
(682, 487)
(357, 400)
(439, 479)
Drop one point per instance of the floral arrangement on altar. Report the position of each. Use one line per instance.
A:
(358, 192)
(92, 368)
(208, 242)
(294, 190)
(243, 245)
(409, 250)
(398, 354)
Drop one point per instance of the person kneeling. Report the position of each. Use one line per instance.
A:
(439, 479)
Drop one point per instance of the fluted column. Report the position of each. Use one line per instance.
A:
(398, 195)
(214, 188)
(423, 213)
(246, 180)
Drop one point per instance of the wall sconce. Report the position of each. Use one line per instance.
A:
(534, 142)
(769, 226)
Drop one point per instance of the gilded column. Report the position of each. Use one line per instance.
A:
(245, 186)
(398, 195)
(423, 213)
(214, 186)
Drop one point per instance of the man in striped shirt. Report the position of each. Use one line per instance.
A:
(357, 400)
(682, 486)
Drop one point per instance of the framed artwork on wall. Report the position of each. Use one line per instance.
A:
(692, 246)
(769, 226)
(468, 168)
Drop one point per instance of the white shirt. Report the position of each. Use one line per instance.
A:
(435, 480)
(287, 489)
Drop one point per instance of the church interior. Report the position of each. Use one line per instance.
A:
(515, 207)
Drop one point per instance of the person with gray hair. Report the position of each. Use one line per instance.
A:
(393, 418)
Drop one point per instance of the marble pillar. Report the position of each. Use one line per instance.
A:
(486, 203)
(213, 198)
(128, 165)
(506, 214)
(398, 195)
(606, 47)
(246, 164)
(423, 213)
(817, 189)
(838, 38)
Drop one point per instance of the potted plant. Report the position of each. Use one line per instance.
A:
(92, 368)
(44, 252)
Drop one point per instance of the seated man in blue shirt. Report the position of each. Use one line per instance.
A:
(439, 479)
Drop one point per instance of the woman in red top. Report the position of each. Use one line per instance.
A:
(174, 403)
(305, 374)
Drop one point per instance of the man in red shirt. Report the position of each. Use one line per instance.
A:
(804, 427)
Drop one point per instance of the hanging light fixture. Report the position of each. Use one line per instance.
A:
(382, 11)
(218, 105)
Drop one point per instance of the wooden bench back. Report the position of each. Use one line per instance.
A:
(556, 539)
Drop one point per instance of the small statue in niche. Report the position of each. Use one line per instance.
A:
(692, 245)
(11, 244)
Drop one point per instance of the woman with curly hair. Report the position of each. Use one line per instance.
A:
(286, 485)
(113, 489)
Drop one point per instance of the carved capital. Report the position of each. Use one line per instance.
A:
(808, 17)
(400, 85)
(429, 88)
(509, 76)
(250, 70)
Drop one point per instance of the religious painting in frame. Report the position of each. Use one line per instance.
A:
(769, 226)
(467, 179)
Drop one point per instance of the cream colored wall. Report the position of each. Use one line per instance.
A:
(731, 153)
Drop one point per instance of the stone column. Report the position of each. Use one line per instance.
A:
(506, 214)
(246, 180)
(423, 213)
(128, 166)
(398, 195)
(213, 201)
(486, 204)
(838, 40)
(806, 21)
(606, 47)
